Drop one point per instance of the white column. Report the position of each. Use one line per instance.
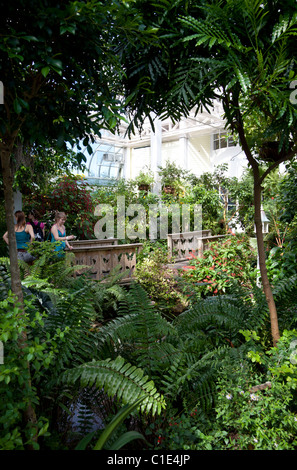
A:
(156, 153)
(183, 142)
(127, 162)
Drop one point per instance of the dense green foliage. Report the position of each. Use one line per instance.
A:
(226, 264)
(66, 194)
(93, 348)
(49, 56)
(184, 366)
(159, 281)
(73, 196)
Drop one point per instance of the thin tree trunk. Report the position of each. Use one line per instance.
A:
(263, 270)
(16, 286)
(259, 234)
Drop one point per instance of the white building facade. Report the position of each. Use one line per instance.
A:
(198, 143)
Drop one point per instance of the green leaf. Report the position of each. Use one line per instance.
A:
(85, 441)
(70, 29)
(116, 421)
(125, 438)
(30, 38)
(17, 106)
(55, 63)
(45, 71)
(23, 103)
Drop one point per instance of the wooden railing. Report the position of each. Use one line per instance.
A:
(102, 257)
(182, 246)
(94, 242)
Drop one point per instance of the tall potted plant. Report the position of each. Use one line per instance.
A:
(144, 180)
(171, 176)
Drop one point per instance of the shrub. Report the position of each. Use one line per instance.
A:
(256, 421)
(281, 261)
(69, 195)
(159, 282)
(225, 264)
(261, 418)
(15, 377)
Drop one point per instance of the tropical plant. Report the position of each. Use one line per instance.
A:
(139, 354)
(171, 174)
(20, 367)
(225, 264)
(159, 282)
(144, 177)
(239, 52)
(110, 429)
(120, 378)
(61, 320)
(261, 416)
(77, 204)
(183, 355)
(44, 49)
(211, 205)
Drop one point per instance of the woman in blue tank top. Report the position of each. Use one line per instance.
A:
(24, 235)
(58, 234)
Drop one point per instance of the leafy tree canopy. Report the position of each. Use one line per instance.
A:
(49, 53)
(60, 74)
(240, 52)
(61, 77)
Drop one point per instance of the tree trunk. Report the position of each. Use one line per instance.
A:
(258, 223)
(261, 254)
(16, 285)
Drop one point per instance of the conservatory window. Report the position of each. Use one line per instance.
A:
(222, 140)
(105, 162)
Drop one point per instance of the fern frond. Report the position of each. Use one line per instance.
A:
(284, 287)
(286, 26)
(227, 313)
(195, 381)
(204, 389)
(140, 338)
(119, 378)
(72, 313)
(139, 333)
(171, 382)
(205, 33)
(135, 300)
(285, 294)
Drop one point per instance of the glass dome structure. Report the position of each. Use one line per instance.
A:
(104, 164)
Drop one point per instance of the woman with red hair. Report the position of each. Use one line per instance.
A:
(24, 235)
